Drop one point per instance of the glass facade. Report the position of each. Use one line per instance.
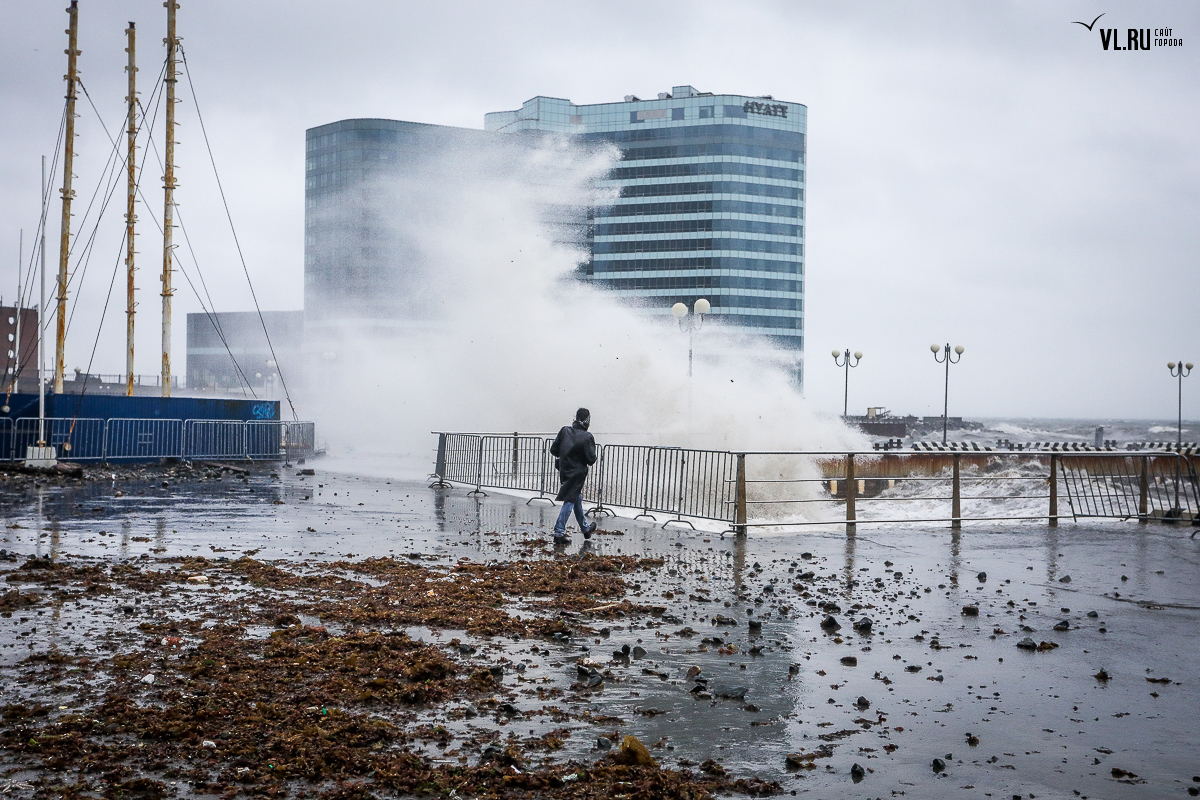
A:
(708, 201)
(356, 264)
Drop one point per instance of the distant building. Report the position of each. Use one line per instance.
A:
(359, 276)
(228, 351)
(20, 359)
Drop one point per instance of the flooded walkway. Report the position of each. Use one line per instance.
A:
(896, 650)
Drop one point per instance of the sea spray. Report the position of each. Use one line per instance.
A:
(493, 331)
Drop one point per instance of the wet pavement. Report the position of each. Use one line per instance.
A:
(939, 667)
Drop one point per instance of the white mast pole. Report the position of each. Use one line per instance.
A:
(20, 288)
(42, 325)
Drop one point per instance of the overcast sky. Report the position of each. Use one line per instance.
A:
(983, 174)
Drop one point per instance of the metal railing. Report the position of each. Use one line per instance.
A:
(89, 439)
(785, 489)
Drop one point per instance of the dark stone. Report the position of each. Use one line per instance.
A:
(981, 577)
(1027, 644)
(970, 611)
(1064, 625)
(938, 765)
(830, 624)
(857, 773)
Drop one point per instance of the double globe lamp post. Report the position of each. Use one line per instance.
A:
(1179, 370)
(948, 359)
(693, 322)
(847, 366)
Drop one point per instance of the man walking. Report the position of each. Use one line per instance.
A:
(574, 451)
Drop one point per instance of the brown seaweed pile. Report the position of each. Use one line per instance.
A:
(211, 703)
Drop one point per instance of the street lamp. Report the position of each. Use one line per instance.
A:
(1179, 371)
(948, 360)
(857, 357)
(694, 322)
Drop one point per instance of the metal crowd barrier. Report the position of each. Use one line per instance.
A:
(80, 439)
(713, 485)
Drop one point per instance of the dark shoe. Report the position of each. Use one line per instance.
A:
(589, 530)
(561, 539)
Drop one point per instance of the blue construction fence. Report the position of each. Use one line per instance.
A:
(123, 439)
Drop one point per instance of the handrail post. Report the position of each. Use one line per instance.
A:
(851, 492)
(646, 484)
(599, 509)
(1054, 490)
(439, 463)
(1144, 491)
(479, 470)
(956, 494)
(515, 461)
(739, 518)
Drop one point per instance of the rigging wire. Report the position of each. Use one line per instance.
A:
(103, 314)
(212, 316)
(155, 93)
(229, 216)
(111, 175)
(26, 292)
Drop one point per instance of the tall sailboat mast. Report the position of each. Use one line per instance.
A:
(64, 245)
(130, 217)
(169, 197)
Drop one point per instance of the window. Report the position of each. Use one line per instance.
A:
(706, 112)
(676, 113)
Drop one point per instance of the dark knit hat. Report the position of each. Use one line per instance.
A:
(583, 415)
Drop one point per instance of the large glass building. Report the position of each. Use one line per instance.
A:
(361, 275)
(709, 202)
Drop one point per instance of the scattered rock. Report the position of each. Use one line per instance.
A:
(1092, 614)
(970, 611)
(857, 773)
(862, 702)
(1063, 625)
(972, 740)
(850, 661)
(1102, 676)
(938, 765)
(830, 624)
(863, 625)
(981, 577)
(633, 753)
(730, 692)
(639, 652)
(693, 672)
(148, 678)
(1027, 644)
(603, 743)
(1065, 579)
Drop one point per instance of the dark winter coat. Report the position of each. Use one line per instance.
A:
(574, 450)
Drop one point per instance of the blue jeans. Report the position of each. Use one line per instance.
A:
(560, 527)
